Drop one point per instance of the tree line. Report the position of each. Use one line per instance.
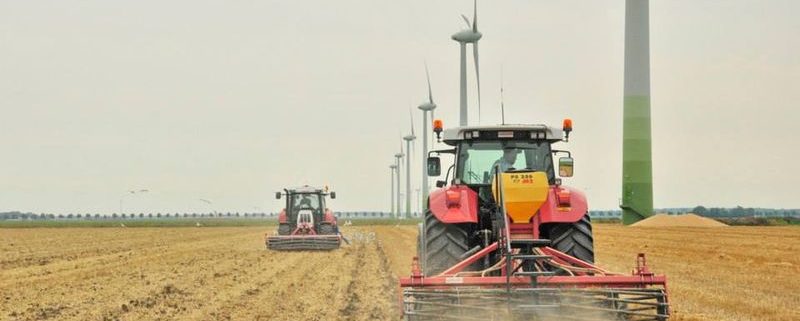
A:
(745, 212)
(46, 216)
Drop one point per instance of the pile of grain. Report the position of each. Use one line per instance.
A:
(690, 220)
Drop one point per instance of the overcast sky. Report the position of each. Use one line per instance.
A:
(232, 100)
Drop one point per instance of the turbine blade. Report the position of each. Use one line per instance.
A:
(411, 117)
(477, 76)
(469, 25)
(475, 17)
(430, 92)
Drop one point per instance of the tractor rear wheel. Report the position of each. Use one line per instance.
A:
(445, 244)
(284, 229)
(574, 239)
(326, 229)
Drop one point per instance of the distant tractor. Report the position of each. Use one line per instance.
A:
(305, 223)
(503, 238)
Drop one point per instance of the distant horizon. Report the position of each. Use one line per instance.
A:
(657, 211)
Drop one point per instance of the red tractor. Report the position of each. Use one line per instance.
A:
(305, 223)
(503, 238)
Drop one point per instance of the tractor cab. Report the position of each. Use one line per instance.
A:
(312, 201)
(305, 205)
(480, 151)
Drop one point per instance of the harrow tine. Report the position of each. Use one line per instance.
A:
(541, 304)
(300, 243)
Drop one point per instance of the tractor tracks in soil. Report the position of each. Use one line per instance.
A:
(189, 274)
(336, 285)
(371, 288)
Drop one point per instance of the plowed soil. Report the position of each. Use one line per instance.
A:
(186, 274)
(736, 273)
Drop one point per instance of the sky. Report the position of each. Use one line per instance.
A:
(230, 101)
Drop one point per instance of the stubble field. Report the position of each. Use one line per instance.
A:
(224, 273)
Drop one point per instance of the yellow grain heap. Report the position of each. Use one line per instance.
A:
(685, 220)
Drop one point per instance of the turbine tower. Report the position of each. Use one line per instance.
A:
(397, 158)
(409, 138)
(393, 167)
(425, 107)
(469, 35)
(637, 162)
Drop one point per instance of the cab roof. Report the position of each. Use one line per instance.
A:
(451, 136)
(305, 189)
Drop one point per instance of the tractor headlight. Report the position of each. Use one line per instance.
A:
(563, 197)
(453, 198)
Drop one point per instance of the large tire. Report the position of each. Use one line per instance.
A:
(444, 244)
(326, 229)
(574, 239)
(284, 229)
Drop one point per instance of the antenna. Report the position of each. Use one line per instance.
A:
(502, 105)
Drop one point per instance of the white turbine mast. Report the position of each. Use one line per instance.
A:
(393, 168)
(397, 158)
(426, 126)
(409, 139)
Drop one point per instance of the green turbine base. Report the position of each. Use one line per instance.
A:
(637, 161)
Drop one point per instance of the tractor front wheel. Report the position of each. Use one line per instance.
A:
(445, 244)
(284, 229)
(326, 229)
(574, 239)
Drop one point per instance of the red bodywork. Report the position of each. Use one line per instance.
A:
(459, 204)
(329, 217)
(573, 206)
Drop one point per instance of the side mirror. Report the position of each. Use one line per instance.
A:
(565, 166)
(333, 195)
(434, 166)
(277, 195)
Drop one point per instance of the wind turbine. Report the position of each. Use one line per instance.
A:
(409, 138)
(397, 158)
(469, 35)
(425, 107)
